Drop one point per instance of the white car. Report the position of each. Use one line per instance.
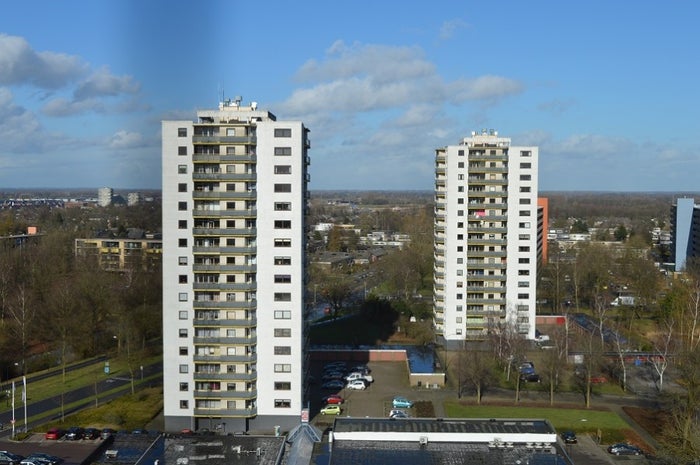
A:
(357, 384)
(358, 375)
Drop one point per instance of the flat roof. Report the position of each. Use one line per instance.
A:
(444, 425)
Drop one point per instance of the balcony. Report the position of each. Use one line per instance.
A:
(242, 323)
(252, 358)
(217, 139)
(251, 394)
(208, 413)
(221, 376)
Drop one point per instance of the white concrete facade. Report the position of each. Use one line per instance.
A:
(234, 203)
(485, 237)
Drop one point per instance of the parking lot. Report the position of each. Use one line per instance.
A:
(391, 379)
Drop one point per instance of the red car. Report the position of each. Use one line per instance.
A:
(54, 434)
(333, 399)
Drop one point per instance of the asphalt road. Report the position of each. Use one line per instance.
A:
(83, 397)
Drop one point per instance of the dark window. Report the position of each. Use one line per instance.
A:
(283, 188)
(283, 169)
(183, 332)
(183, 279)
(182, 150)
(523, 296)
(182, 187)
(183, 350)
(283, 403)
(283, 132)
(182, 206)
(283, 242)
(184, 387)
(182, 242)
(283, 332)
(283, 278)
(283, 206)
(283, 350)
(526, 165)
(182, 169)
(525, 177)
(283, 296)
(283, 260)
(182, 224)
(181, 132)
(184, 404)
(283, 150)
(283, 386)
(283, 224)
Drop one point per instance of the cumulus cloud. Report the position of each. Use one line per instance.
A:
(18, 126)
(102, 83)
(125, 139)
(20, 64)
(360, 78)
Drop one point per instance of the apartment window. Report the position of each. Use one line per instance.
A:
(524, 225)
(460, 164)
(525, 177)
(181, 132)
(184, 404)
(460, 212)
(184, 368)
(183, 332)
(523, 284)
(283, 188)
(283, 132)
(182, 206)
(523, 296)
(283, 332)
(523, 308)
(523, 248)
(283, 260)
(525, 189)
(524, 201)
(184, 386)
(283, 151)
(283, 403)
(283, 242)
(283, 368)
(283, 169)
(182, 169)
(460, 260)
(182, 279)
(525, 153)
(283, 224)
(460, 225)
(459, 296)
(182, 260)
(283, 278)
(526, 165)
(182, 187)
(523, 260)
(524, 212)
(460, 153)
(183, 350)
(182, 314)
(182, 224)
(460, 201)
(523, 272)
(283, 314)
(460, 177)
(460, 248)
(283, 350)
(283, 296)
(524, 237)
(283, 386)
(460, 188)
(182, 297)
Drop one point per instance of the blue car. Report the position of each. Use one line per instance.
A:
(401, 402)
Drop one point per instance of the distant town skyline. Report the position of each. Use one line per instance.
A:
(606, 90)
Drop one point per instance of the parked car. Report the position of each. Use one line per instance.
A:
(527, 368)
(401, 402)
(10, 458)
(332, 399)
(334, 384)
(569, 437)
(107, 432)
(38, 457)
(357, 375)
(530, 378)
(357, 384)
(54, 434)
(91, 433)
(74, 433)
(396, 413)
(331, 410)
(622, 448)
(333, 375)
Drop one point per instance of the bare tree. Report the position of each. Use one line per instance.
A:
(663, 345)
(477, 371)
(554, 360)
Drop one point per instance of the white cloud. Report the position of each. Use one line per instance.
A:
(124, 139)
(20, 64)
(18, 126)
(102, 83)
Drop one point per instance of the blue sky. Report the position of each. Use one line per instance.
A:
(607, 90)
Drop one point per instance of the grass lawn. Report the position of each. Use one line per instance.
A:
(609, 424)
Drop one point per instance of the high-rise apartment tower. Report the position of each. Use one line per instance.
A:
(234, 202)
(485, 237)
